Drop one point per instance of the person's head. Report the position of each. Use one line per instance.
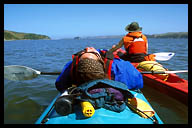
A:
(90, 53)
(90, 66)
(133, 27)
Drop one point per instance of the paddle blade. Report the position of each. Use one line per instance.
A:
(16, 72)
(179, 71)
(163, 56)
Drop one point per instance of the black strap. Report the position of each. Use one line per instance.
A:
(154, 119)
(74, 68)
(109, 55)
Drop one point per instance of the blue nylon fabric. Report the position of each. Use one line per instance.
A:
(122, 71)
(126, 73)
(64, 80)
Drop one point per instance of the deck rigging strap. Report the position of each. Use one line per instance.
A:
(154, 119)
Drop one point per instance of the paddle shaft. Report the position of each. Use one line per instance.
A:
(50, 73)
(17, 72)
(163, 72)
(143, 72)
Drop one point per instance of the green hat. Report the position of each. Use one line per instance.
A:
(133, 27)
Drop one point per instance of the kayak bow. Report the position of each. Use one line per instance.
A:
(101, 116)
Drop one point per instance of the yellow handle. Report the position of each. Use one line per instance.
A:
(87, 109)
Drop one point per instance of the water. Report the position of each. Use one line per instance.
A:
(24, 101)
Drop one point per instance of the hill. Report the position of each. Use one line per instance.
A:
(11, 35)
(170, 35)
(164, 35)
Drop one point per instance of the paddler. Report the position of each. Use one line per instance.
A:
(135, 44)
(91, 64)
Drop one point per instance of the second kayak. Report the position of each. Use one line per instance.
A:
(173, 86)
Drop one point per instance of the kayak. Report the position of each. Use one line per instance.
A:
(100, 116)
(174, 86)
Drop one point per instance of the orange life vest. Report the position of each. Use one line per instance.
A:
(107, 58)
(135, 42)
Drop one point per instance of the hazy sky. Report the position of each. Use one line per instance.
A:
(70, 20)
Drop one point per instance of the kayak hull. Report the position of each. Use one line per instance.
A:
(174, 86)
(101, 116)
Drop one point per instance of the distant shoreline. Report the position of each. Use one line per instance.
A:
(11, 36)
(26, 39)
(164, 35)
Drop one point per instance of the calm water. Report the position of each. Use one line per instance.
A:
(24, 101)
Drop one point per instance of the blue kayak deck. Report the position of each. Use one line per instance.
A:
(101, 116)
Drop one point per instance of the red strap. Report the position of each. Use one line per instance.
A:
(108, 65)
(109, 69)
(73, 71)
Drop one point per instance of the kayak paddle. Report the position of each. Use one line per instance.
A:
(17, 72)
(160, 56)
(163, 56)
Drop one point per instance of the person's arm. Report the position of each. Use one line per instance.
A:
(119, 45)
(64, 79)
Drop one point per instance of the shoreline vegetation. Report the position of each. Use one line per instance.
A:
(163, 35)
(11, 35)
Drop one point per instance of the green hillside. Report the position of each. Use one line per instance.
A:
(11, 35)
(163, 35)
(170, 35)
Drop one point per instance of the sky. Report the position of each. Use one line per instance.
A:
(70, 20)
